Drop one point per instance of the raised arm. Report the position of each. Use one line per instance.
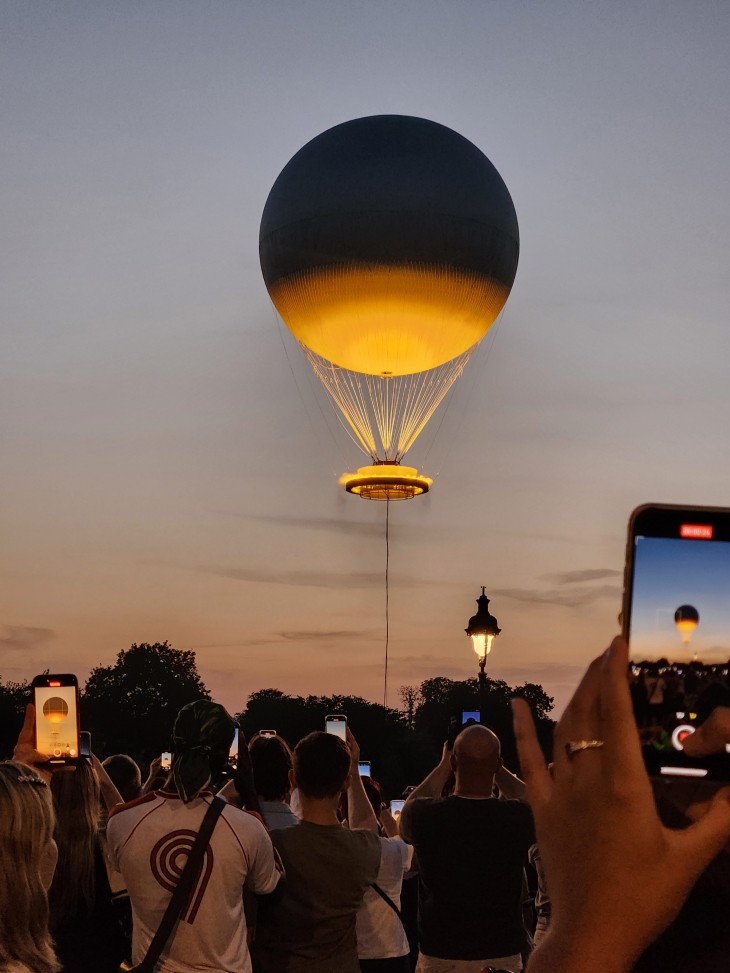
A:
(109, 793)
(360, 812)
(431, 786)
(511, 788)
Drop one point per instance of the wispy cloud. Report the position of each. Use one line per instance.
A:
(590, 574)
(319, 579)
(314, 579)
(24, 637)
(324, 636)
(355, 528)
(551, 596)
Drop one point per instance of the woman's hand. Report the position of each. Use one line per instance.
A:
(616, 876)
(25, 751)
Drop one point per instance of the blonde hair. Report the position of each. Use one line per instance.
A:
(76, 799)
(26, 828)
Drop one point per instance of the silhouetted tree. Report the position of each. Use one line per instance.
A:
(397, 757)
(14, 697)
(411, 698)
(130, 707)
(444, 698)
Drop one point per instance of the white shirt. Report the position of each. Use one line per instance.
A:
(149, 840)
(277, 814)
(380, 933)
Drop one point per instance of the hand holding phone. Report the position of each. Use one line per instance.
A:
(676, 619)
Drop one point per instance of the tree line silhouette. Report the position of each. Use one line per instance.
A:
(130, 707)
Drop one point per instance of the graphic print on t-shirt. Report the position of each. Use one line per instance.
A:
(167, 861)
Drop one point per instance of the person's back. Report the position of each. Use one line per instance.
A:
(471, 849)
(28, 856)
(149, 841)
(327, 866)
(470, 859)
(84, 923)
(271, 762)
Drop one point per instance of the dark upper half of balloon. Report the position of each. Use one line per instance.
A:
(389, 189)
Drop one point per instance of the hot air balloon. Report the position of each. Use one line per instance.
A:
(388, 245)
(686, 618)
(55, 709)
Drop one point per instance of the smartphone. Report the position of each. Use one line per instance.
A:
(165, 760)
(267, 733)
(363, 767)
(396, 807)
(56, 701)
(233, 752)
(336, 724)
(85, 743)
(676, 619)
(470, 714)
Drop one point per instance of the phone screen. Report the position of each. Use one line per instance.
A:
(336, 725)
(85, 743)
(677, 621)
(56, 716)
(166, 760)
(470, 714)
(233, 752)
(363, 767)
(396, 807)
(267, 733)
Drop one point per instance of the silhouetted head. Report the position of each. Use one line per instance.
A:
(321, 765)
(476, 759)
(271, 760)
(125, 775)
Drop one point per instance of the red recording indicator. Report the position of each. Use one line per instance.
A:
(699, 532)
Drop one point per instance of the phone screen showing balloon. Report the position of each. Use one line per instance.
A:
(677, 620)
(56, 710)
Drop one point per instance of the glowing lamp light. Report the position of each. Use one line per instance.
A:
(482, 644)
(482, 630)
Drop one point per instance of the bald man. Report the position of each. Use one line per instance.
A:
(471, 849)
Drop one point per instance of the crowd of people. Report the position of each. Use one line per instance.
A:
(293, 863)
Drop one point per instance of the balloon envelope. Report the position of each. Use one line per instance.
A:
(389, 245)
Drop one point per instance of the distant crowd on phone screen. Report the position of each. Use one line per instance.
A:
(664, 692)
(334, 878)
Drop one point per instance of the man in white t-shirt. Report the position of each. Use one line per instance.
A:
(149, 840)
(382, 944)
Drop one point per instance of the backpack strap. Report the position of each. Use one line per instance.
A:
(166, 929)
(386, 898)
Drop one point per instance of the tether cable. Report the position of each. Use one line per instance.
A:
(387, 599)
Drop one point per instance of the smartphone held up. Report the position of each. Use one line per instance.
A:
(336, 724)
(676, 619)
(56, 701)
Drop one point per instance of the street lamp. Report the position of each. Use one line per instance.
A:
(482, 629)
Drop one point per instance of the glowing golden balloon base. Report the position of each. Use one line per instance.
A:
(386, 481)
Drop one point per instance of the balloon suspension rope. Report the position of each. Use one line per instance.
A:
(387, 599)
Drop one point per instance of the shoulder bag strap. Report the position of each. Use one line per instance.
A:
(386, 898)
(182, 890)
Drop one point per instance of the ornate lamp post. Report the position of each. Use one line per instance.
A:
(482, 629)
